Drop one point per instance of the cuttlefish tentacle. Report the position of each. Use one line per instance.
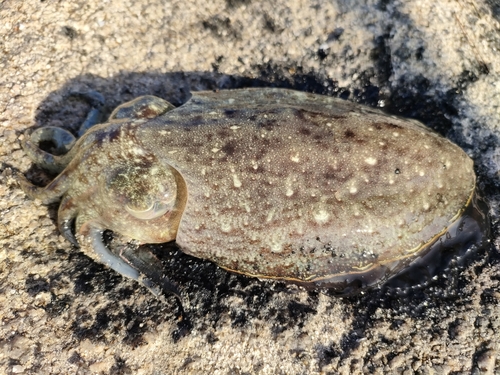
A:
(128, 264)
(62, 142)
(152, 272)
(109, 258)
(96, 101)
(50, 193)
(66, 216)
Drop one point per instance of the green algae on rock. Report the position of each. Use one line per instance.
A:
(270, 183)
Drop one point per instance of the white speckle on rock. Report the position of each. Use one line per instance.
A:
(270, 215)
(17, 369)
(226, 226)
(236, 181)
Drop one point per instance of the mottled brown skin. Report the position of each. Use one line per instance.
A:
(267, 182)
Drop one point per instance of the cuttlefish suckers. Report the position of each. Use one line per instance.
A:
(270, 183)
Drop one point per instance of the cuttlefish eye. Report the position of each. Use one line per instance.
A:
(145, 192)
(156, 209)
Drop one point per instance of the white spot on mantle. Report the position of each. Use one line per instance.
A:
(137, 151)
(321, 216)
(371, 161)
